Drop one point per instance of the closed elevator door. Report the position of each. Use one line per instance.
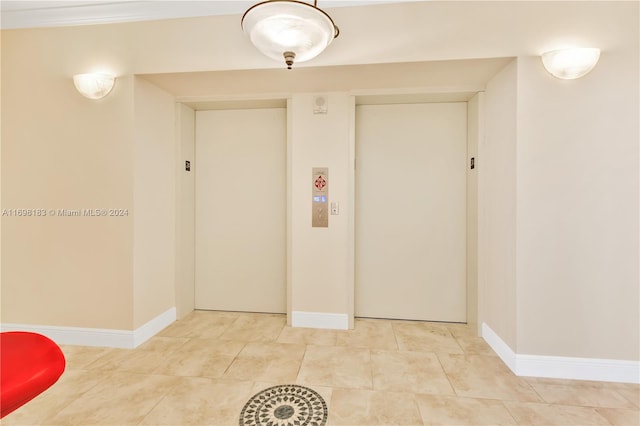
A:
(241, 210)
(411, 211)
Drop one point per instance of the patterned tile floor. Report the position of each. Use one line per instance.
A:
(203, 369)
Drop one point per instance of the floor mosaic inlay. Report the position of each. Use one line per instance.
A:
(285, 405)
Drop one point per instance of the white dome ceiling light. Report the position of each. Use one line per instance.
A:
(289, 29)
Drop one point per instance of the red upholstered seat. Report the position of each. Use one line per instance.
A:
(29, 364)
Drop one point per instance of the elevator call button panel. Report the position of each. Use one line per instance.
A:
(320, 197)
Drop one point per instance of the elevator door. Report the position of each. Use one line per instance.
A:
(411, 211)
(241, 210)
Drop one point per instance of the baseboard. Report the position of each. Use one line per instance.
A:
(320, 320)
(98, 336)
(498, 345)
(605, 370)
(153, 327)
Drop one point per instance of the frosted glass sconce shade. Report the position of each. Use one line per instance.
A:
(94, 86)
(289, 29)
(569, 64)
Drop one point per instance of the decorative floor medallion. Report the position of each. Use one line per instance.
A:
(285, 405)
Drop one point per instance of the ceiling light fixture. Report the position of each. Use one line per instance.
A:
(569, 64)
(289, 29)
(94, 85)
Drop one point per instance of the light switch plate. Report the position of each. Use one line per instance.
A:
(335, 208)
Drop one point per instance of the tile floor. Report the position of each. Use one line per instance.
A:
(203, 369)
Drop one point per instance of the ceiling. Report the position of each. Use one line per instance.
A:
(35, 14)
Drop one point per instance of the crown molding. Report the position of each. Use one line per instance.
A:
(54, 13)
(20, 14)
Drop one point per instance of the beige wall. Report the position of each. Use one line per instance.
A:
(60, 150)
(154, 202)
(577, 214)
(185, 210)
(497, 207)
(558, 209)
(1, 183)
(475, 132)
(320, 257)
(67, 152)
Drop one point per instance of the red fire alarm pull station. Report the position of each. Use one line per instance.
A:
(320, 197)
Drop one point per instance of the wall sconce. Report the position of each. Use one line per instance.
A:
(569, 64)
(95, 85)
